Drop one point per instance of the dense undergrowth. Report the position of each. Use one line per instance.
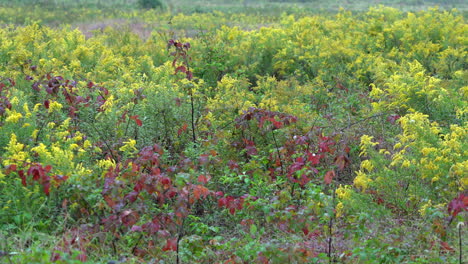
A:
(315, 139)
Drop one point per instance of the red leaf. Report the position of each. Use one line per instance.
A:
(181, 69)
(48, 168)
(151, 227)
(55, 257)
(329, 176)
(347, 149)
(132, 196)
(171, 245)
(59, 178)
(222, 202)
(262, 259)
(393, 118)
(203, 179)
(111, 203)
(200, 191)
(182, 129)
(135, 167)
(457, 205)
(46, 187)
(445, 246)
(129, 217)
(166, 181)
(46, 104)
(313, 158)
(341, 87)
(233, 165)
(189, 75)
(140, 252)
(232, 211)
(277, 124)
(36, 171)
(342, 161)
(23, 178)
(137, 121)
(10, 168)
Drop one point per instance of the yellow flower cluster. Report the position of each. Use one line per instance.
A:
(129, 146)
(55, 106)
(13, 116)
(344, 192)
(15, 152)
(366, 145)
(361, 180)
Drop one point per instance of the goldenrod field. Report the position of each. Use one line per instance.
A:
(233, 132)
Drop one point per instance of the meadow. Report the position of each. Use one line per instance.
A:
(233, 131)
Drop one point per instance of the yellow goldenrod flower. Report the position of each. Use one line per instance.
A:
(74, 146)
(343, 192)
(106, 163)
(405, 164)
(361, 180)
(14, 152)
(86, 144)
(55, 106)
(13, 116)
(36, 107)
(424, 207)
(366, 144)
(129, 146)
(367, 165)
(339, 209)
(42, 151)
(108, 104)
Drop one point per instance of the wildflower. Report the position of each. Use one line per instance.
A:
(15, 151)
(367, 165)
(73, 146)
(54, 105)
(424, 208)
(339, 209)
(427, 151)
(42, 151)
(361, 180)
(366, 143)
(106, 163)
(86, 144)
(343, 192)
(13, 116)
(108, 104)
(129, 146)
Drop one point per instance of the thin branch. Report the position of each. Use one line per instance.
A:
(360, 121)
(277, 151)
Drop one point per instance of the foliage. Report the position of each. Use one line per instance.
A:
(325, 138)
(150, 3)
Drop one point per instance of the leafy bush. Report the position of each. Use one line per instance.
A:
(316, 139)
(150, 3)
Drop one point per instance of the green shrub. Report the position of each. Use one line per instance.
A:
(150, 3)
